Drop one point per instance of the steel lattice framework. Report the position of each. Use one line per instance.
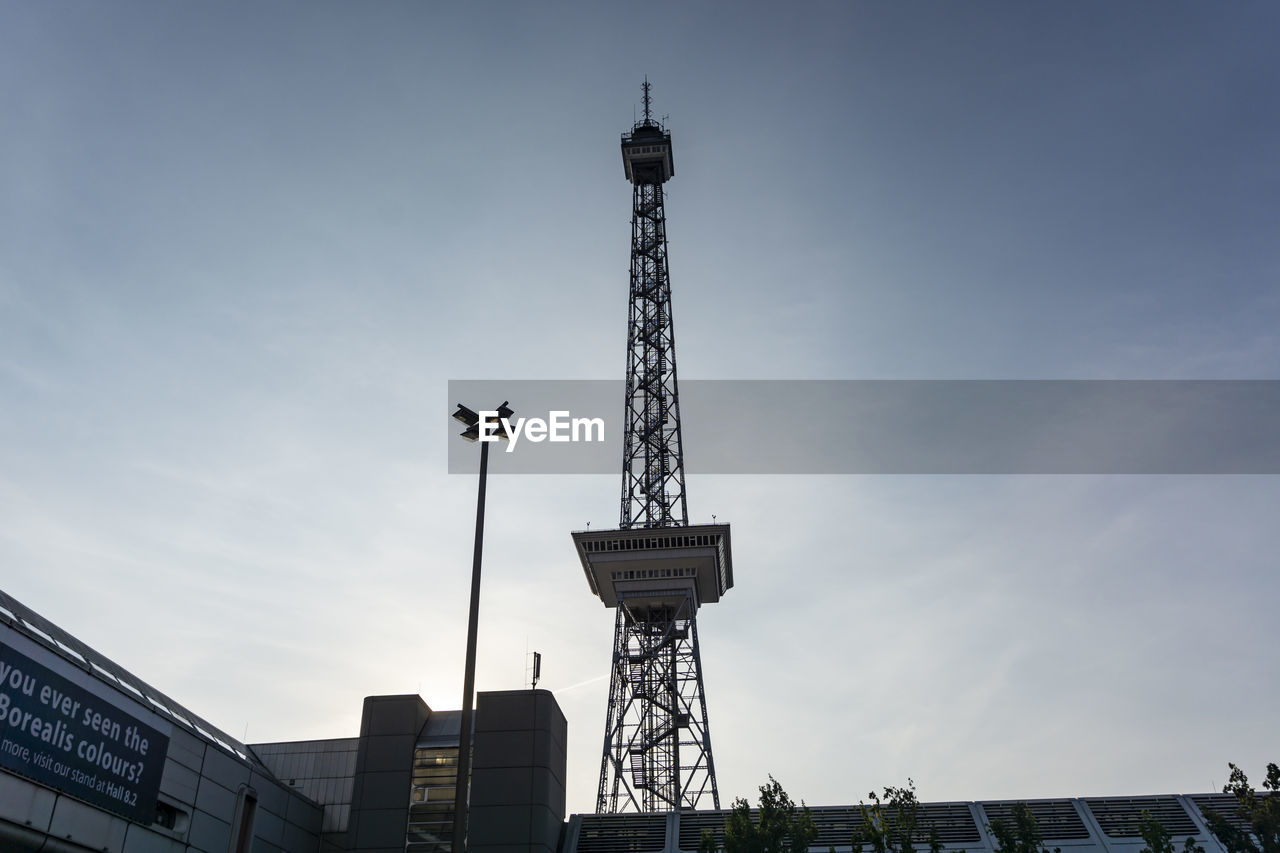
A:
(657, 743)
(652, 457)
(657, 740)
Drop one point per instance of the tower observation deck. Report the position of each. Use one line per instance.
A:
(656, 569)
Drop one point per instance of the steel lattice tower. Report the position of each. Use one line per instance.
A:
(656, 569)
(652, 456)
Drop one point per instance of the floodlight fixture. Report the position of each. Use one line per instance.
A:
(496, 425)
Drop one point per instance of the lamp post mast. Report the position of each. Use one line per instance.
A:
(461, 796)
(461, 788)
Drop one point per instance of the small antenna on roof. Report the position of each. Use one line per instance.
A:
(648, 109)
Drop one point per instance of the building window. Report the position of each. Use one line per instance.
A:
(435, 774)
(170, 817)
(242, 824)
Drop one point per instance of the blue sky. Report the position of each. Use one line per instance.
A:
(243, 248)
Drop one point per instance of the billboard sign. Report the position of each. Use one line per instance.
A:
(56, 732)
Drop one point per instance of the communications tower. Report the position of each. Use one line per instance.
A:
(656, 569)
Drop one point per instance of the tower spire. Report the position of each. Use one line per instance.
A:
(648, 111)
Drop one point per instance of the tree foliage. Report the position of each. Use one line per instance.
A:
(782, 828)
(890, 824)
(1020, 834)
(1260, 813)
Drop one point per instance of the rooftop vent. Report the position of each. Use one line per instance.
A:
(1119, 816)
(952, 821)
(622, 833)
(692, 825)
(1058, 819)
(1225, 805)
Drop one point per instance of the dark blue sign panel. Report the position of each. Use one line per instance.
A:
(63, 736)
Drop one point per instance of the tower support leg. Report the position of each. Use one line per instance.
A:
(657, 740)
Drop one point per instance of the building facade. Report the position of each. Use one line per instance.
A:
(94, 759)
(391, 790)
(1069, 825)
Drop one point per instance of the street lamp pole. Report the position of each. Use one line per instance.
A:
(461, 796)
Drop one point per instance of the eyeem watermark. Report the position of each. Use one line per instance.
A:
(558, 426)
(946, 427)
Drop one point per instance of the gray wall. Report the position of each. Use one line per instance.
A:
(518, 773)
(322, 770)
(389, 728)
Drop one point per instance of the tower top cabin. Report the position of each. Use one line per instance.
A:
(646, 150)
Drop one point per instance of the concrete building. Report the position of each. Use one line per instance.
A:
(392, 788)
(94, 759)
